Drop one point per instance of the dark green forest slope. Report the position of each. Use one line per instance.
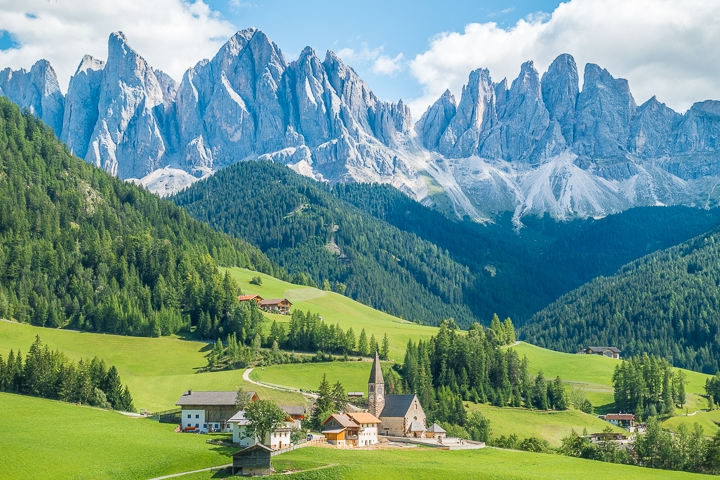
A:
(82, 249)
(667, 304)
(399, 256)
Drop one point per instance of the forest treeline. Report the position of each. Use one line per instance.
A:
(394, 254)
(82, 249)
(665, 304)
(50, 374)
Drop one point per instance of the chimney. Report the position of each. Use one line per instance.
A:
(189, 392)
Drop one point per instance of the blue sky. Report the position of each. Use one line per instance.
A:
(397, 27)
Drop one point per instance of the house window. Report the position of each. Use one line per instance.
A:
(197, 415)
(204, 425)
(217, 426)
(197, 425)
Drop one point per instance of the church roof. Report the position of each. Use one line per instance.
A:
(397, 405)
(376, 372)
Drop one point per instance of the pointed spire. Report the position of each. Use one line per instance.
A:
(376, 375)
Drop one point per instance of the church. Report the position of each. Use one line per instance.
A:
(401, 415)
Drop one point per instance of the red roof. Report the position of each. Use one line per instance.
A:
(244, 298)
(619, 416)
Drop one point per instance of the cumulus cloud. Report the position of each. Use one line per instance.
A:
(378, 62)
(666, 48)
(171, 35)
(388, 66)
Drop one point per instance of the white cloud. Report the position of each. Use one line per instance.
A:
(171, 35)
(388, 66)
(666, 48)
(379, 63)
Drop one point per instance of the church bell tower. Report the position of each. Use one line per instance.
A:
(376, 388)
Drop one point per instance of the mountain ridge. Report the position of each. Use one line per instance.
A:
(540, 144)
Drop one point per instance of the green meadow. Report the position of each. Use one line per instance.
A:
(48, 439)
(551, 426)
(157, 370)
(307, 376)
(423, 463)
(336, 309)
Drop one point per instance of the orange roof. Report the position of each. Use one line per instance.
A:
(244, 298)
(363, 417)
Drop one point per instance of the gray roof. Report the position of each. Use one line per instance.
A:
(251, 448)
(239, 418)
(417, 427)
(376, 372)
(602, 349)
(294, 409)
(435, 428)
(192, 397)
(397, 405)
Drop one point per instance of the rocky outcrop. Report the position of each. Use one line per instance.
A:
(533, 145)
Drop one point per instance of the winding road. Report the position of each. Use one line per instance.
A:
(246, 377)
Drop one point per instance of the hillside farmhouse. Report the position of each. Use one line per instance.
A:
(296, 412)
(611, 352)
(208, 411)
(249, 298)
(623, 420)
(400, 415)
(356, 429)
(276, 305)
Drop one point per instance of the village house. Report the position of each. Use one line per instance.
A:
(357, 429)
(208, 411)
(249, 298)
(400, 415)
(276, 305)
(242, 435)
(607, 437)
(254, 460)
(296, 412)
(435, 431)
(611, 352)
(623, 420)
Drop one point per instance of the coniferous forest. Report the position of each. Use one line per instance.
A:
(665, 304)
(378, 246)
(82, 249)
(50, 374)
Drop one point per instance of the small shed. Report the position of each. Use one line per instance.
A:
(276, 305)
(355, 395)
(253, 460)
(435, 431)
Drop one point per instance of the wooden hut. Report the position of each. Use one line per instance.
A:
(253, 460)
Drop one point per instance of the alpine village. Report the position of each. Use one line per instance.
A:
(262, 269)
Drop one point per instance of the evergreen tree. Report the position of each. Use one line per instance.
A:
(363, 347)
(324, 404)
(385, 349)
(339, 397)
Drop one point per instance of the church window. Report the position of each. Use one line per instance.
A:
(372, 388)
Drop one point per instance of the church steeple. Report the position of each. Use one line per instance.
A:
(376, 388)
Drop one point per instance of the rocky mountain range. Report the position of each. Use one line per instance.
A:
(540, 145)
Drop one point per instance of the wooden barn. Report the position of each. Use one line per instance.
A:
(250, 298)
(276, 305)
(253, 460)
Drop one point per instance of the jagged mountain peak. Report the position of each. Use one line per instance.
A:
(89, 62)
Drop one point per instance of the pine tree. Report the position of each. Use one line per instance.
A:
(113, 388)
(509, 331)
(324, 404)
(373, 345)
(363, 347)
(385, 349)
(340, 398)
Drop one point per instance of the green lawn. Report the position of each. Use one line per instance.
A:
(707, 420)
(594, 373)
(157, 370)
(489, 463)
(307, 376)
(48, 439)
(550, 426)
(336, 309)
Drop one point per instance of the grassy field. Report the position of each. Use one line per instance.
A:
(594, 374)
(48, 439)
(307, 376)
(157, 370)
(707, 420)
(336, 309)
(550, 426)
(423, 463)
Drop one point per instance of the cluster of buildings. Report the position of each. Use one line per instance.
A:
(611, 352)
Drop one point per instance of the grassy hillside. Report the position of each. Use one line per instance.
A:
(157, 370)
(48, 439)
(353, 375)
(594, 374)
(489, 463)
(551, 425)
(709, 421)
(336, 308)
